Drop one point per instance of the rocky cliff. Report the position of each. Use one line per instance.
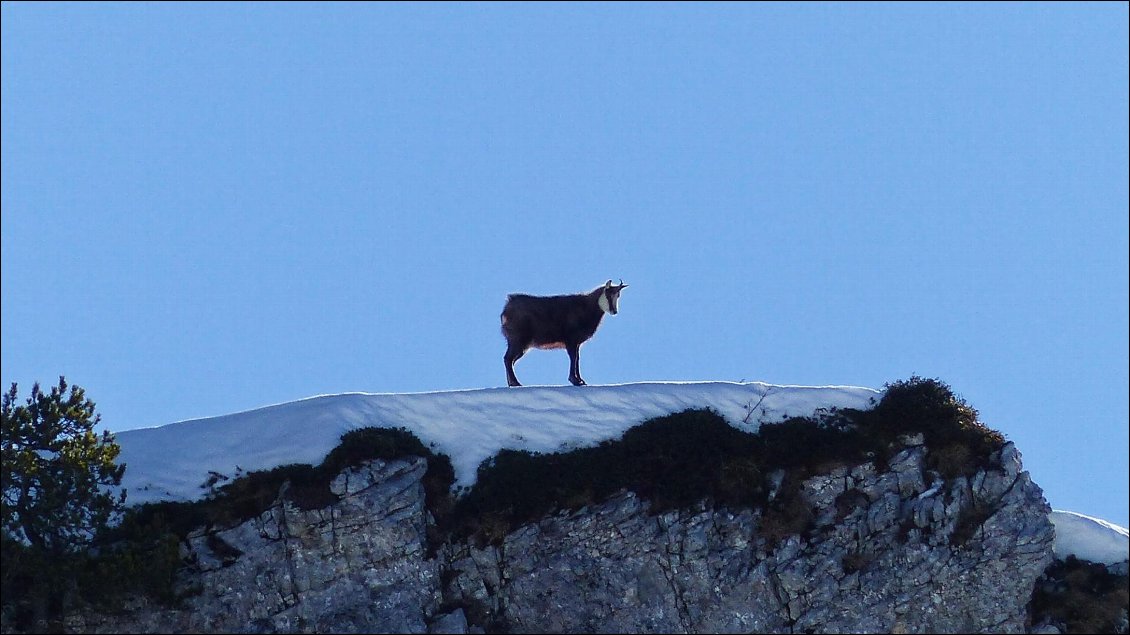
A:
(884, 551)
(908, 515)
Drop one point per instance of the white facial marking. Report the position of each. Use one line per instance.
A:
(609, 301)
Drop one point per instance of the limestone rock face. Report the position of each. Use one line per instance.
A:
(900, 550)
(359, 566)
(884, 565)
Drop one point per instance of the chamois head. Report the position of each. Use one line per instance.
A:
(609, 299)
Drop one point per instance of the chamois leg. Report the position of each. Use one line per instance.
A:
(575, 364)
(513, 354)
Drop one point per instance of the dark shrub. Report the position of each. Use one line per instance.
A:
(959, 444)
(673, 462)
(1081, 596)
(694, 456)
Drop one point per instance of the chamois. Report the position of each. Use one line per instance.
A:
(557, 321)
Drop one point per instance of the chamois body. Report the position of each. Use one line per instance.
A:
(557, 321)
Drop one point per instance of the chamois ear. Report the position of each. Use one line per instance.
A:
(608, 284)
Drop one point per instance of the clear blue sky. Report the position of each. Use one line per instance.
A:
(209, 208)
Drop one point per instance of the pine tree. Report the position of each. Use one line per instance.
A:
(58, 474)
